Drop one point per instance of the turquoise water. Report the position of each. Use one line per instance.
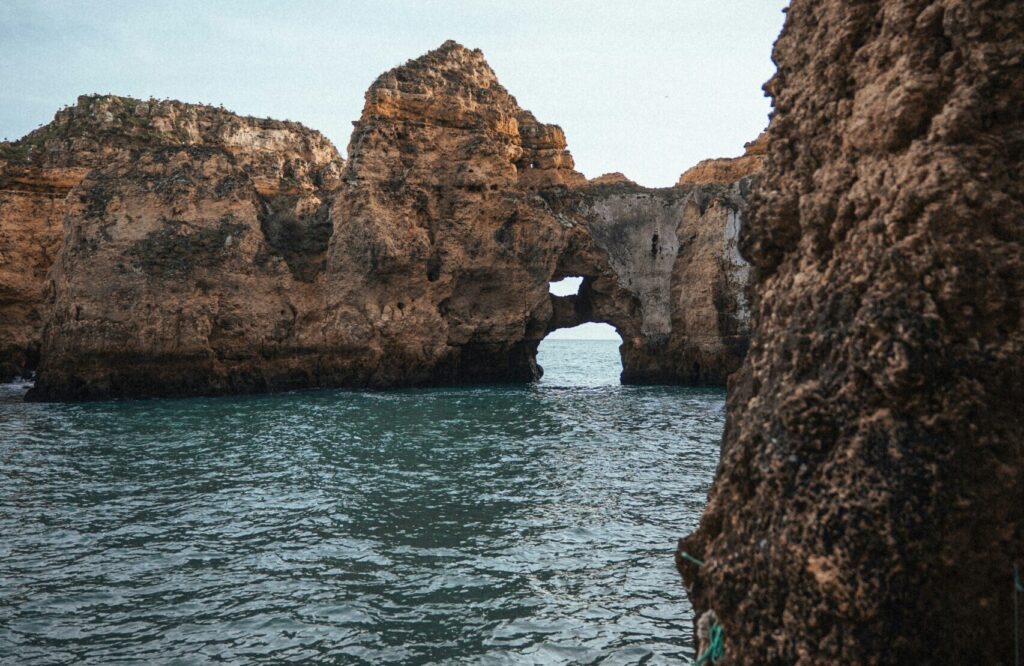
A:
(493, 525)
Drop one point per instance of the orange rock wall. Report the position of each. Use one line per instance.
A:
(201, 252)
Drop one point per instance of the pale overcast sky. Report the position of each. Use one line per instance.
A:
(647, 87)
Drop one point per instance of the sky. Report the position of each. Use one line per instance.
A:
(589, 331)
(647, 88)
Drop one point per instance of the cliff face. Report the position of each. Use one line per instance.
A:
(665, 271)
(725, 170)
(290, 167)
(456, 216)
(31, 223)
(869, 504)
(166, 285)
(442, 251)
(202, 252)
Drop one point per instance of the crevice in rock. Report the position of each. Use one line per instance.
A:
(300, 238)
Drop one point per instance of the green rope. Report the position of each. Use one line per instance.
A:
(716, 635)
(716, 646)
(686, 556)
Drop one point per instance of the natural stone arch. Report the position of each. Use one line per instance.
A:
(454, 211)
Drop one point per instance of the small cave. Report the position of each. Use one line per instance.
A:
(300, 239)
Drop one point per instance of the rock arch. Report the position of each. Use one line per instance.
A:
(423, 259)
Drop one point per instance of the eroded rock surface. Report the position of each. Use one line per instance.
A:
(725, 170)
(869, 504)
(207, 253)
(290, 167)
(167, 285)
(457, 215)
(442, 248)
(664, 269)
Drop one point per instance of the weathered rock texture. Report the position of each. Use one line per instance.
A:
(289, 166)
(456, 215)
(207, 253)
(662, 266)
(31, 222)
(442, 249)
(725, 170)
(869, 503)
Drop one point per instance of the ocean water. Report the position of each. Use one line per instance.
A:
(492, 525)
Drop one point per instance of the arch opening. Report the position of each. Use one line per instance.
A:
(584, 355)
(578, 349)
(567, 286)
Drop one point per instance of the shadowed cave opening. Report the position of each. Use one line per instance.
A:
(587, 351)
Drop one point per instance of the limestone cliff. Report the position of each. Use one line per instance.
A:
(166, 284)
(441, 255)
(456, 216)
(207, 253)
(869, 504)
(662, 267)
(290, 167)
(31, 227)
(725, 170)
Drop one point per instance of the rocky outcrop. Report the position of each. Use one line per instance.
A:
(662, 266)
(725, 170)
(456, 217)
(442, 248)
(290, 168)
(210, 253)
(869, 504)
(167, 285)
(611, 179)
(31, 227)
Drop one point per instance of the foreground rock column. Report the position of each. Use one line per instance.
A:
(869, 504)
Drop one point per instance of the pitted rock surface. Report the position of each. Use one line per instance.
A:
(725, 170)
(203, 253)
(869, 503)
(291, 167)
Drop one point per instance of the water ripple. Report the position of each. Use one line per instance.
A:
(488, 525)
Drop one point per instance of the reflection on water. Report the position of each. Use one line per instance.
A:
(495, 525)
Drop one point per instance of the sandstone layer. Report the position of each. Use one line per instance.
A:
(289, 166)
(725, 170)
(869, 504)
(203, 253)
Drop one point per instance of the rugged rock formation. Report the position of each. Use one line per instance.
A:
(869, 505)
(725, 170)
(166, 284)
(207, 253)
(289, 166)
(662, 266)
(611, 179)
(31, 223)
(442, 250)
(456, 217)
